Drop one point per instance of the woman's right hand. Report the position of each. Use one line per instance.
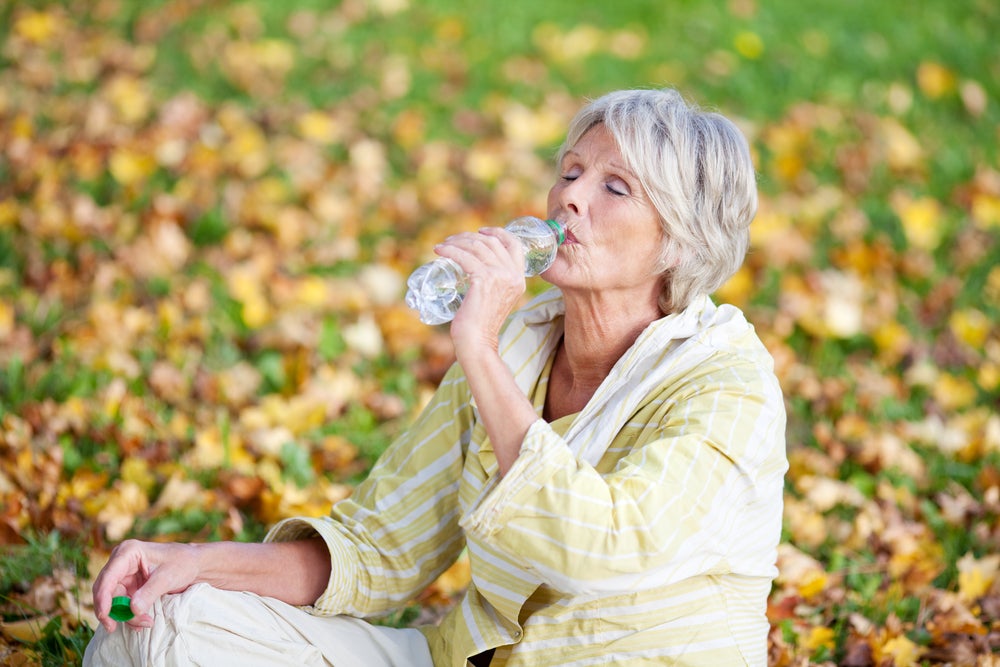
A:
(144, 571)
(295, 572)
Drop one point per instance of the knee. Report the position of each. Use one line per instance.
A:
(107, 648)
(196, 605)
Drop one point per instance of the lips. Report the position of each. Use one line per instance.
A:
(570, 238)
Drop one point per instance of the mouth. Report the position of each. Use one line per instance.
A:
(570, 237)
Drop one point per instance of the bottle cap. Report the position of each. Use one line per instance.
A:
(121, 608)
(559, 230)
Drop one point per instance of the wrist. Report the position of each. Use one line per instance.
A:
(206, 561)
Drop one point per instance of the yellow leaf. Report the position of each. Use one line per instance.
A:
(246, 287)
(312, 292)
(450, 29)
(812, 584)
(130, 167)
(935, 80)
(136, 471)
(6, 320)
(210, 450)
(409, 128)
(988, 376)
(819, 637)
(580, 42)
(970, 326)
(9, 213)
(125, 501)
(532, 128)
(37, 26)
(627, 44)
(275, 55)
(921, 220)
(976, 576)
(903, 151)
(805, 524)
(738, 288)
(749, 45)
(130, 98)
(22, 127)
(953, 393)
(179, 494)
(986, 210)
(893, 340)
(484, 163)
(904, 653)
(318, 127)
(28, 630)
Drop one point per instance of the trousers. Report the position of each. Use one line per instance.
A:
(211, 627)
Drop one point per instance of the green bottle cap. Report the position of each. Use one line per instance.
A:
(121, 608)
(559, 229)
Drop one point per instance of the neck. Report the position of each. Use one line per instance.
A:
(595, 337)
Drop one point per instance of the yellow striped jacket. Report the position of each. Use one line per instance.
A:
(639, 531)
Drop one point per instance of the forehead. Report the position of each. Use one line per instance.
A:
(598, 145)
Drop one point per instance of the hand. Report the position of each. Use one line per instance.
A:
(493, 259)
(145, 571)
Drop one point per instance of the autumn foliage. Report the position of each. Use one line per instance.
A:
(208, 211)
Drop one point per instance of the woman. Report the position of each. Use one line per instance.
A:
(612, 457)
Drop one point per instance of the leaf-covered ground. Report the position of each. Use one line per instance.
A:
(208, 210)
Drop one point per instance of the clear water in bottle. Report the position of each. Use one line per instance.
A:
(436, 289)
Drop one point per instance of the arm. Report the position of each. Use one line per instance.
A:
(294, 572)
(365, 558)
(494, 260)
(399, 529)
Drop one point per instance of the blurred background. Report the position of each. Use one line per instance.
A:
(208, 210)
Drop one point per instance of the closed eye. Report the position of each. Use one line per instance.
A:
(618, 189)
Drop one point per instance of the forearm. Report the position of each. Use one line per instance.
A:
(505, 411)
(294, 572)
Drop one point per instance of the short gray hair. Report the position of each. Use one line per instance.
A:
(696, 169)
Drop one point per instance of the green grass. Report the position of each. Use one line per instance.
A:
(830, 71)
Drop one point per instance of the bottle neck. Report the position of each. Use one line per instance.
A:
(558, 229)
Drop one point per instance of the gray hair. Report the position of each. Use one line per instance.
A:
(696, 169)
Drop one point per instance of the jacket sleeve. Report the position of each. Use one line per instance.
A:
(699, 491)
(399, 530)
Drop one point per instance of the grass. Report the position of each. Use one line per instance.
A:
(821, 86)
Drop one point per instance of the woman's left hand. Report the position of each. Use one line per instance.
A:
(493, 258)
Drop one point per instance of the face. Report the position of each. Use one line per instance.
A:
(612, 230)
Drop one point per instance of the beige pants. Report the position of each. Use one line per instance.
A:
(206, 626)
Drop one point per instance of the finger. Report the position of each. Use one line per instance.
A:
(116, 575)
(511, 250)
(141, 621)
(490, 249)
(175, 572)
(157, 585)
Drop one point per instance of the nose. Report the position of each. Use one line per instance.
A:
(569, 195)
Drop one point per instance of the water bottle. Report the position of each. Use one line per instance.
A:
(436, 289)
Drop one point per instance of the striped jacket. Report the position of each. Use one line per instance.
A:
(640, 531)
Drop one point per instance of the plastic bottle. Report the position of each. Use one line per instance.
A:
(437, 288)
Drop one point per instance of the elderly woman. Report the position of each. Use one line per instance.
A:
(612, 455)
